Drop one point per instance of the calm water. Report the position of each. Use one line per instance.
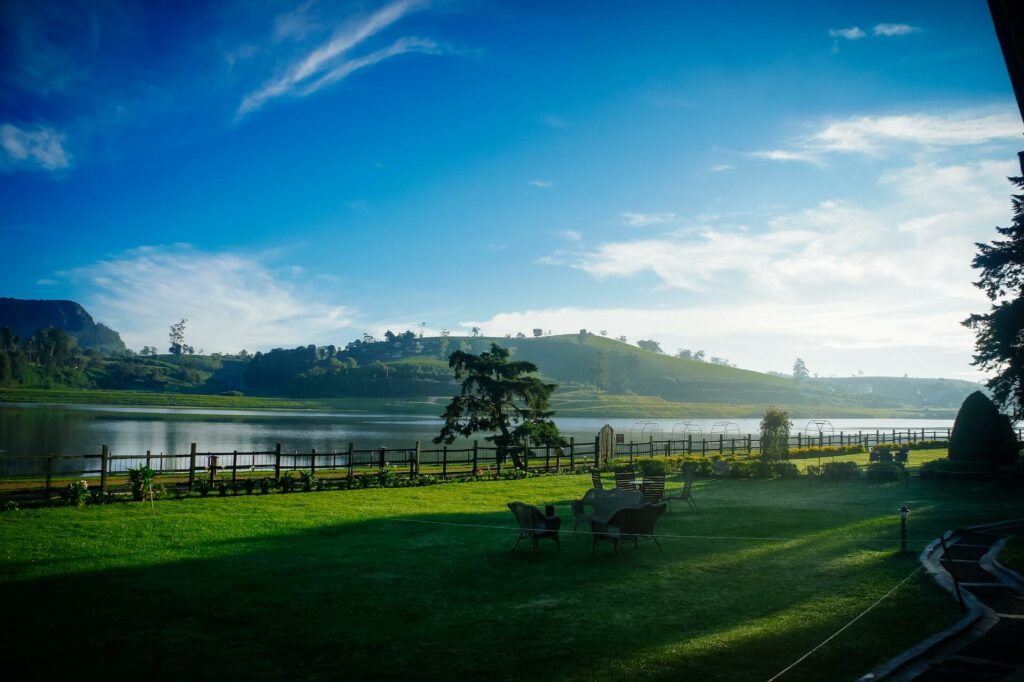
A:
(27, 429)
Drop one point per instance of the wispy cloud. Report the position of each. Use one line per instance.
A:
(232, 300)
(571, 235)
(37, 147)
(852, 33)
(825, 257)
(720, 167)
(646, 219)
(543, 184)
(889, 30)
(552, 121)
(787, 155)
(875, 135)
(329, 63)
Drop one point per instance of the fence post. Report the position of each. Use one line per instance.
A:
(416, 459)
(732, 447)
(277, 462)
(234, 468)
(547, 459)
(572, 454)
(444, 462)
(312, 462)
(721, 441)
(351, 456)
(191, 465)
(497, 462)
(149, 459)
(49, 477)
(689, 443)
(476, 456)
(703, 448)
(799, 440)
(104, 457)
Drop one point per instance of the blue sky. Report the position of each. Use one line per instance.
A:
(761, 182)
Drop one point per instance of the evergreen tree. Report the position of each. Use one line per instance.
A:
(501, 397)
(999, 344)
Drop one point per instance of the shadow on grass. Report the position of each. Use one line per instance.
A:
(385, 599)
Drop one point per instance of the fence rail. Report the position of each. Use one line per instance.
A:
(44, 474)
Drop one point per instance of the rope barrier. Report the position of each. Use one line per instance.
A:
(842, 629)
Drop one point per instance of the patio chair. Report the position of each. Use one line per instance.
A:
(534, 525)
(686, 493)
(595, 477)
(624, 479)
(654, 488)
(603, 504)
(631, 523)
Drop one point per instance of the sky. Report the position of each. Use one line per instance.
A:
(762, 181)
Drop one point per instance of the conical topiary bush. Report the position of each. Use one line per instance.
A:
(982, 434)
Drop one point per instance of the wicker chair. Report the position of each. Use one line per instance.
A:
(624, 479)
(686, 493)
(631, 523)
(595, 476)
(654, 488)
(534, 525)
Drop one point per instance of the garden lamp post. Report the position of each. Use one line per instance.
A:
(904, 513)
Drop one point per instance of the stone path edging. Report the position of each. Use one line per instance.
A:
(979, 619)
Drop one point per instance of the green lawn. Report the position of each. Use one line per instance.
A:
(335, 584)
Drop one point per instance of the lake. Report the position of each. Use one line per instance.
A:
(29, 429)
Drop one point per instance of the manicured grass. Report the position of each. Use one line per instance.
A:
(335, 584)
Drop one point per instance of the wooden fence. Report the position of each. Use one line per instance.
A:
(47, 474)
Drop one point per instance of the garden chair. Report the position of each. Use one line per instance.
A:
(686, 493)
(595, 477)
(654, 488)
(534, 525)
(603, 504)
(624, 479)
(631, 523)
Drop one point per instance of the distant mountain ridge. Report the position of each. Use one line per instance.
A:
(26, 316)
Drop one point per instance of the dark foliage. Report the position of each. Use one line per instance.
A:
(999, 345)
(501, 397)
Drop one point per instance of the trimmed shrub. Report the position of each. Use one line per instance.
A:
(883, 472)
(785, 470)
(839, 471)
(981, 434)
(652, 467)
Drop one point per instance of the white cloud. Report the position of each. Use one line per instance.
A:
(879, 135)
(543, 184)
(852, 33)
(38, 147)
(787, 155)
(231, 300)
(837, 275)
(720, 167)
(646, 219)
(571, 235)
(328, 64)
(889, 30)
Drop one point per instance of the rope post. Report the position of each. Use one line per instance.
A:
(49, 477)
(277, 462)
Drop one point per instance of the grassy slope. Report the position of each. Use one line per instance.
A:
(329, 584)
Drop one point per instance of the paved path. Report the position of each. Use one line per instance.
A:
(989, 643)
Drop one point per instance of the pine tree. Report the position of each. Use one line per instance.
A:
(501, 397)
(999, 345)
